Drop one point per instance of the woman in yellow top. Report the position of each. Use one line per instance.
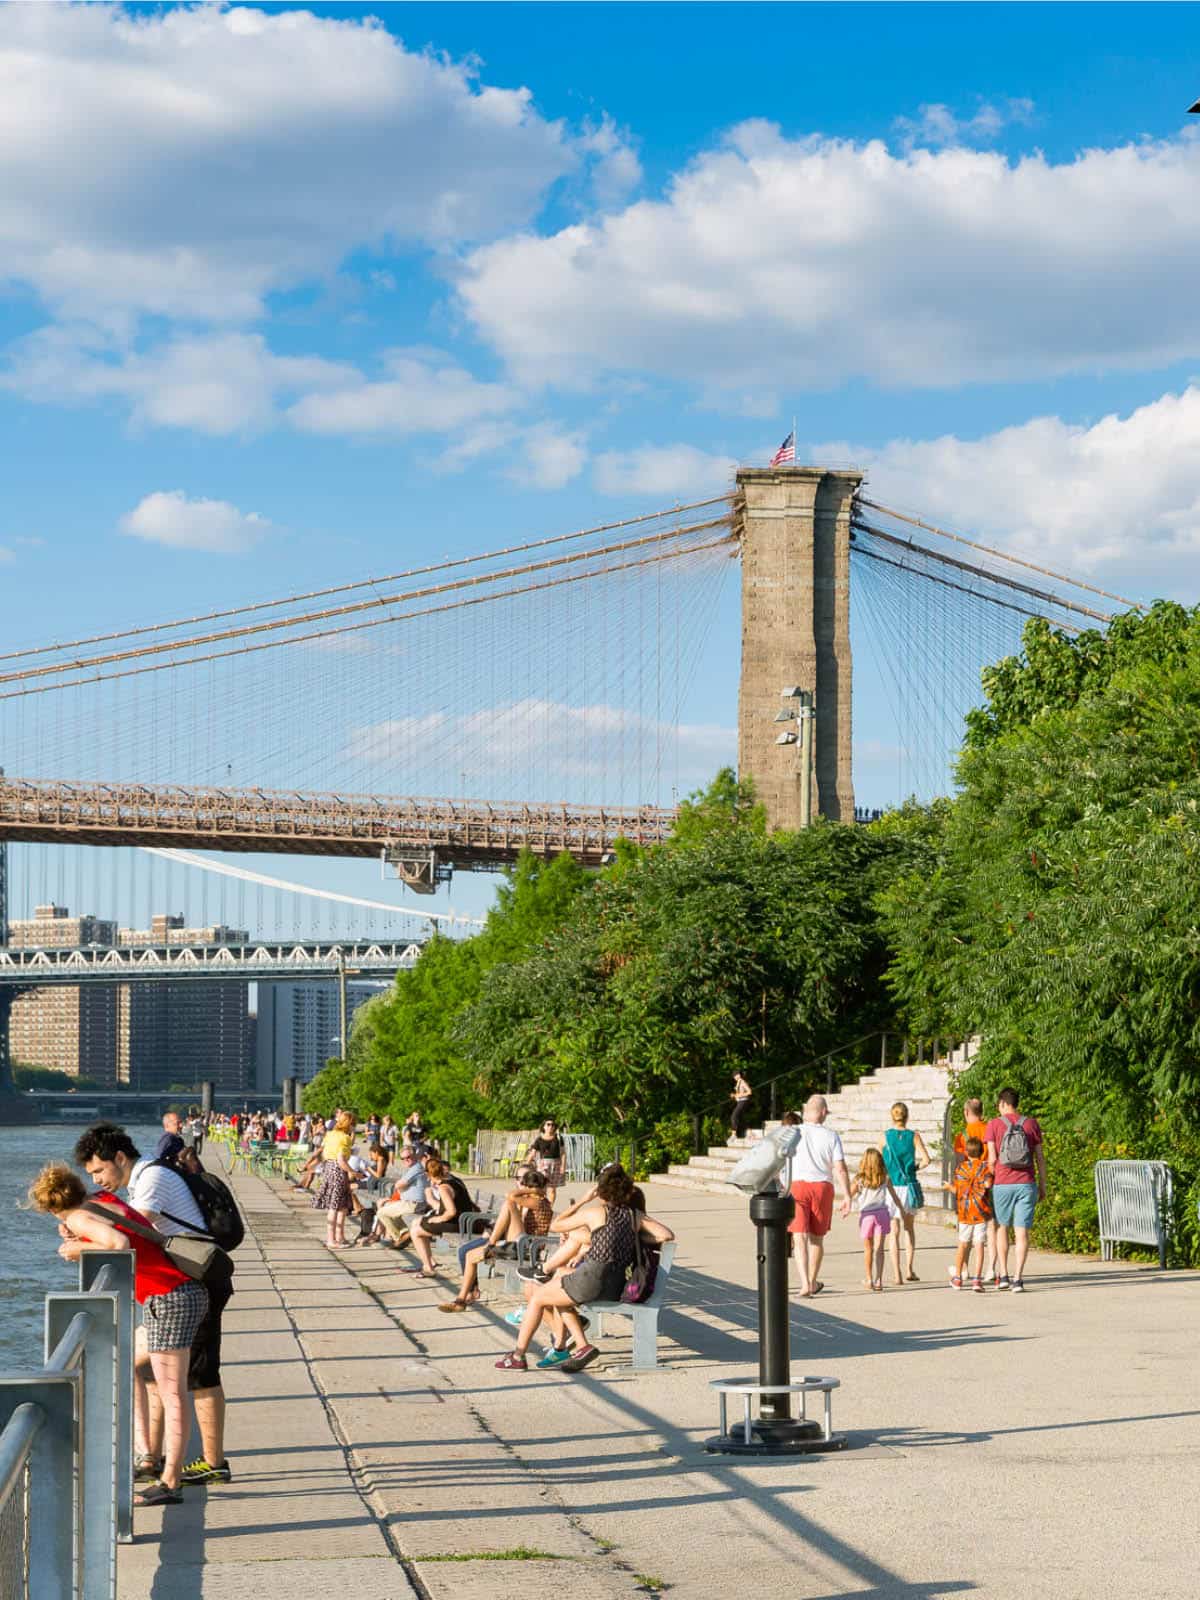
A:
(333, 1186)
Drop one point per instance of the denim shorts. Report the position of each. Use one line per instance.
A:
(1014, 1204)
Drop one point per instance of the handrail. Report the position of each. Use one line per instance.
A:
(66, 1441)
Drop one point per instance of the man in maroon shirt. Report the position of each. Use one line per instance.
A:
(1018, 1166)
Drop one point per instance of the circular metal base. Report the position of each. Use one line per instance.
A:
(775, 1439)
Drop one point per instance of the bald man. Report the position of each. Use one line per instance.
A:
(818, 1167)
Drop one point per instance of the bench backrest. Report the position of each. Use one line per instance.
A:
(665, 1258)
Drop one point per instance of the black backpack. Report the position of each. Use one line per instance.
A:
(222, 1219)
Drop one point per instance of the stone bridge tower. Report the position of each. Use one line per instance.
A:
(794, 524)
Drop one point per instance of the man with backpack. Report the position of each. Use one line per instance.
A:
(1018, 1166)
(190, 1201)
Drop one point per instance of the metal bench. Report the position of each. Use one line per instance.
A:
(644, 1317)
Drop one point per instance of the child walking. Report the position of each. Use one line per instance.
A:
(972, 1189)
(871, 1189)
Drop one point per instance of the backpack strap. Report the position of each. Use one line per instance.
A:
(118, 1219)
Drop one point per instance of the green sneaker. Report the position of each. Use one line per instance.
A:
(200, 1471)
(554, 1358)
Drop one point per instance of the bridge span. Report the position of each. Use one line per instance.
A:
(259, 961)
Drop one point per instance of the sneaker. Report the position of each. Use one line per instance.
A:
(515, 1318)
(955, 1281)
(199, 1471)
(977, 1285)
(1017, 1286)
(1002, 1283)
(554, 1358)
(533, 1274)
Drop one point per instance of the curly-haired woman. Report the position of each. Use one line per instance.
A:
(173, 1306)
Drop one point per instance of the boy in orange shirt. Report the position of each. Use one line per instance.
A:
(977, 1129)
(972, 1189)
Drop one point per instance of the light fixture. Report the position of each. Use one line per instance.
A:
(786, 738)
(785, 716)
(790, 694)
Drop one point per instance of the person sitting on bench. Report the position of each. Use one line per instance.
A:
(526, 1211)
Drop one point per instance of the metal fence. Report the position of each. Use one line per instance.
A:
(66, 1443)
(1133, 1199)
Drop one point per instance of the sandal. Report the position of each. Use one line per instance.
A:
(513, 1363)
(454, 1305)
(158, 1494)
(417, 1272)
(146, 1468)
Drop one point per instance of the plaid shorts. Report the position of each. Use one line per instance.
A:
(171, 1320)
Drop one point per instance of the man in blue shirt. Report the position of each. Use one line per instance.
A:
(408, 1194)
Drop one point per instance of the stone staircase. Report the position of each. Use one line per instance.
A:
(860, 1112)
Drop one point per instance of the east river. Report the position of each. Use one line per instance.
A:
(30, 1267)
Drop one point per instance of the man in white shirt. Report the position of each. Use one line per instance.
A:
(816, 1168)
(110, 1158)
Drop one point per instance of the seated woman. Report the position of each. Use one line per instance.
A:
(613, 1225)
(526, 1211)
(173, 1307)
(452, 1201)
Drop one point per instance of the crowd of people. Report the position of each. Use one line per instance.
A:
(999, 1178)
(181, 1223)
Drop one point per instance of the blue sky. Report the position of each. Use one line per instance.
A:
(288, 296)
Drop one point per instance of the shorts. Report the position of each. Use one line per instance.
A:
(171, 1319)
(1014, 1203)
(908, 1201)
(204, 1367)
(876, 1223)
(444, 1225)
(814, 1209)
(594, 1281)
(972, 1233)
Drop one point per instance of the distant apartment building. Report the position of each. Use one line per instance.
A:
(187, 1032)
(297, 1028)
(73, 1030)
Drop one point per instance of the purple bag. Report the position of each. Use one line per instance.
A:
(643, 1274)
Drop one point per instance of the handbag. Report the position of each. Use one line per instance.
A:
(198, 1258)
(643, 1274)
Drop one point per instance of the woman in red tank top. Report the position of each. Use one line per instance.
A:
(173, 1306)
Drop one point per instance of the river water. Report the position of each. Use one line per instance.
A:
(29, 1265)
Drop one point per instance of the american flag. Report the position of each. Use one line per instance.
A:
(786, 451)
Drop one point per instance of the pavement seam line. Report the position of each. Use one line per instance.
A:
(352, 1468)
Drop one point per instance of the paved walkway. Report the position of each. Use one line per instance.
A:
(1001, 1445)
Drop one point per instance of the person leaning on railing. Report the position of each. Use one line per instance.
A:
(173, 1307)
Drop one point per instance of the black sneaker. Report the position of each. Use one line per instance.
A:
(533, 1274)
(200, 1471)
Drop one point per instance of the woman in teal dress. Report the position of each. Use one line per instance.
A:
(904, 1155)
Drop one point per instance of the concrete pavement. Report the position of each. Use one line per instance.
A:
(1000, 1444)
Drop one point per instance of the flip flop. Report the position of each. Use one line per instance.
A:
(816, 1289)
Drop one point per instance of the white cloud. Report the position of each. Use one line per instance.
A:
(675, 469)
(1118, 497)
(549, 457)
(588, 743)
(170, 518)
(828, 260)
(217, 384)
(615, 168)
(938, 125)
(423, 392)
(190, 161)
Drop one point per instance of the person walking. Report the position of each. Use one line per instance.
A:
(1018, 1165)
(741, 1096)
(904, 1154)
(333, 1194)
(873, 1192)
(549, 1157)
(818, 1167)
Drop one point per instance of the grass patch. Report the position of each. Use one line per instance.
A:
(520, 1552)
(653, 1585)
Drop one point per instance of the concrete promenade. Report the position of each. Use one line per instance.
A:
(1001, 1445)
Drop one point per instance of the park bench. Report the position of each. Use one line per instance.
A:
(644, 1317)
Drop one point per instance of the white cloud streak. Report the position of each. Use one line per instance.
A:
(676, 469)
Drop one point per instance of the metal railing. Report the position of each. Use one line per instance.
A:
(66, 1443)
(1133, 1205)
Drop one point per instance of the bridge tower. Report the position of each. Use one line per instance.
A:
(794, 525)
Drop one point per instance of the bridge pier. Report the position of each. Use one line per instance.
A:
(794, 525)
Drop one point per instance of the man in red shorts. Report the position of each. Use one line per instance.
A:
(817, 1167)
